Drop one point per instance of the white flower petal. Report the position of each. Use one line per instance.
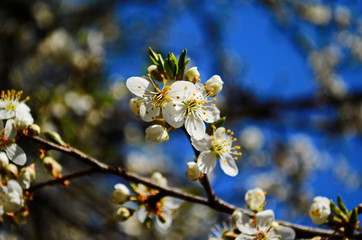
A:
(209, 113)
(227, 164)
(168, 221)
(202, 144)
(14, 186)
(286, 233)
(149, 113)
(181, 90)
(6, 114)
(206, 161)
(142, 214)
(265, 218)
(174, 114)
(10, 130)
(195, 127)
(16, 154)
(139, 86)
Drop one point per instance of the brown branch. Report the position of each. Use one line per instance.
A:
(64, 178)
(216, 204)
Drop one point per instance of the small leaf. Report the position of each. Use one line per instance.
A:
(341, 205)
(182, 63)
(54, 137)
(218, 123)
(354, 216)
(338, 212)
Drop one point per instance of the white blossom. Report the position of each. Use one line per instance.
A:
(217, 146)
(156, 133)
(12, 107)
(255, 199)
(10, 197)
(151, 98)
(190, 106)
(193, 171)
(26, 176)
(8, 145)
(214, 85)
(263, 227)
(192, 75)
(320, 210)
(120, 194)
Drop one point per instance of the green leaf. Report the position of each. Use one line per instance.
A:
(171, 66)
(54, 137)
(341, 205)
(338, 211)
(182, 63)
(157, 59)
(218, 123)
(354, 216)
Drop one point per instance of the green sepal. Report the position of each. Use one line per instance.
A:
(182, 63)
(53, 137)
(157, 59)
(218, 123)
(341, 205)
(353, 219)
(337, 212)
(171, 66)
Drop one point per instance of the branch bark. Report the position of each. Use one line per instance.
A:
(213, 202)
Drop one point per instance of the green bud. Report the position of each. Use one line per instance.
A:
(34, 130)
(122, 214)
(54, 137)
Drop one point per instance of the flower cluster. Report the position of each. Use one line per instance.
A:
(14, 117)
(152, 207)
(170, 98)
(261, 226)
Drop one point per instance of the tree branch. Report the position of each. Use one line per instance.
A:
(217, 204)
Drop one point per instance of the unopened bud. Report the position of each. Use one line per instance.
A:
(214, 85)
(320, 210)
(4, 160)
(34, 130)
(153, 71)
(255, 199)
(122, 214)
(158, 178)
(120, 194)
(53, 167)
(135, 104)
(193, 171)
(192, 75)
(12, 170)
(26, 176)
(157, 134)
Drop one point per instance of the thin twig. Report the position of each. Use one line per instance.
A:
(217, 204)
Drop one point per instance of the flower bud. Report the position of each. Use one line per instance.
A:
(12, 170)
(34, 130)
(120, 194)
(255, 199)
(22, 121)
(26, 176)
(153, 71)
(4, 160)
(214, 85)
(193, 171)
(159, 179)
(192, 75)
(156, 133)
(320, 210)
(122, 214)
(134, 105)
(53, 167)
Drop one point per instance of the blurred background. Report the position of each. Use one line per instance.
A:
(292, 95)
